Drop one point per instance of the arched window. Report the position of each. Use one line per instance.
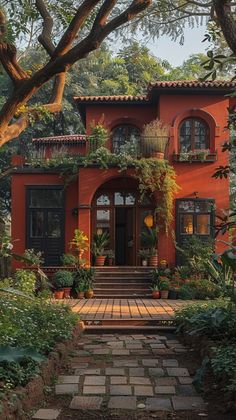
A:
(193, 135)
(126, 138)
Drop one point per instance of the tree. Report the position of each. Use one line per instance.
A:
(91, 23)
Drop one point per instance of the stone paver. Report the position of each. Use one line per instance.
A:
(150, 362)
(186, 390)
(166, 380)
(136, 371)
(120, 390)
(124, 403)
(156, 372)
(94, 380)
(143, 390)
(177, 372)
(86, 403)
(139, 380)
(90, 389)
(46, 414)
(118, 380)
(188, 403)
(164, 389)
(125, 363)
(114, 371)
(185, 380)
(71, 379)
(120, 352)
(61, 389)
(170, 363)
(134, 346)
(158, 404)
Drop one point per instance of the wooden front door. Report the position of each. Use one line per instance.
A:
(124, 236)
(45, 223)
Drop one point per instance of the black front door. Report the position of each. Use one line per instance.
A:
(124, 236)
(45, 222)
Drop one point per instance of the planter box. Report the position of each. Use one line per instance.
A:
(211, 157)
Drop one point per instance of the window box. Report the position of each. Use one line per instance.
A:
(195, 156)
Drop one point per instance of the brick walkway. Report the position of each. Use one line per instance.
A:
(124, 372)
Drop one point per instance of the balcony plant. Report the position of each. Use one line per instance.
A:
(111, 256)
(149, 238)
(100, 241)
(63, 281)
(164, 286)
(144, 255)
(155, 138)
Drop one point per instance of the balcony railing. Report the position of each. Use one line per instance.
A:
(195, 156)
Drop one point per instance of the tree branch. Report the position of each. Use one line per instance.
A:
(45, 37)
(226, 21)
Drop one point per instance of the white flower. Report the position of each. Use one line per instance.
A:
(9, 246)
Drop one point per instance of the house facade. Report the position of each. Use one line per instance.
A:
(45, 213)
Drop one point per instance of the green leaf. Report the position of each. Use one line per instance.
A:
(16, 354)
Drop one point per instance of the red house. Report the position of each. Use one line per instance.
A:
(45, 213)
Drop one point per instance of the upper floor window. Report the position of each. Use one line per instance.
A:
(126, 137)
(193, 135)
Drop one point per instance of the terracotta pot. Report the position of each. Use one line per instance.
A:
(157, 155)
(67, 291)
(153, 261)
(110, 262)
(59, 294)
(164, 294)
(80, 295)
(156, 294)
(100, 260)
(89, 294)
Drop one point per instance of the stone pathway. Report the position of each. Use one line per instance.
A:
(125, 372)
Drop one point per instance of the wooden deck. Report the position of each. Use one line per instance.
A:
(98, 310)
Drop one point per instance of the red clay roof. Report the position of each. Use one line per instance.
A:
(193, 84)
(111, 98)
(69, 138)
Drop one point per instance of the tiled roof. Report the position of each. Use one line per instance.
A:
(67, 139)
(193, 84)
(111, 98)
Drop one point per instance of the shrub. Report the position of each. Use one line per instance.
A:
(25, 281)
(69, 259)
(187, 292)
(63, 278)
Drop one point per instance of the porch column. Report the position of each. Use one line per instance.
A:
(84, 224)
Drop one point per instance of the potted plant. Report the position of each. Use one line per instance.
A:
(164, 286)
(100, 241)
(80, 289)
(63, 281)
(155, 291)
(149, 238)
(79, 244)
(110, 256)
(155, 138)
(70, 260)
(33, 258)
(144, 255)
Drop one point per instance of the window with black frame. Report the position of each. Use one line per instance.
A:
(193, 135)
(126, 138)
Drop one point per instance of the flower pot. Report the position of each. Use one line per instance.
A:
(110, 262)
(156, 294)
(80, 295)
(153, 261)
(89, 294)
(157, 155)
(173, 294)
(59, 294)
(144, 263)
(164, 294)
(67, 291)
(100, 260)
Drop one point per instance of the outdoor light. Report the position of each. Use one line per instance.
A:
(148, 220)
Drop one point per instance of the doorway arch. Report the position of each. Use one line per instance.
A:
(118, 210)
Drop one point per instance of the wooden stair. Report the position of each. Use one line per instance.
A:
(122, 282)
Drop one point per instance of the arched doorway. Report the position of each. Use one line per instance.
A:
(118, 210)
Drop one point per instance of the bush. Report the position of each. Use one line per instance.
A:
(200, 289)
(30, 323)
(25, 281)
(63, 278)
(187, 292)
(69, 259)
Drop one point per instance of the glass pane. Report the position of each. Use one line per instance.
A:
(200, 135)
(186, 206)
(143, 227)
(36, 224)
(203, 207)
(54, 225)
(125, 135)
(130, 199)
(119, 199)
(185, 136)
(203, 224)
(46, 198)
(103, 218)
(186, 224)
(103, 200)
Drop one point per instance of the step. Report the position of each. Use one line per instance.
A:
(122, 295)
(121, 284)
(124, 329)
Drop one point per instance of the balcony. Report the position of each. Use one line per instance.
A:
(195, 156)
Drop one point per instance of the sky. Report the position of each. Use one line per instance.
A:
(175, 53)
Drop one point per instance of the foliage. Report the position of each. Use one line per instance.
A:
(17, 354)
(25, 281)
(83, 279)
(200, 289)
(156, 128)
(62, 278)
(223, 364)
(143, 253)
(187, 292)
(216, 320)
(100, 241)
(196, 253)
(110, 254)
(17, 374)
(79, 242)
(164, 283)
(69, 259)
(149, 239)
(33, 257)
(98, 137)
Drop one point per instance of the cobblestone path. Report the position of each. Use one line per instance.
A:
(126, 373)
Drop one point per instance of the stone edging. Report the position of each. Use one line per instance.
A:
(23, 399)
